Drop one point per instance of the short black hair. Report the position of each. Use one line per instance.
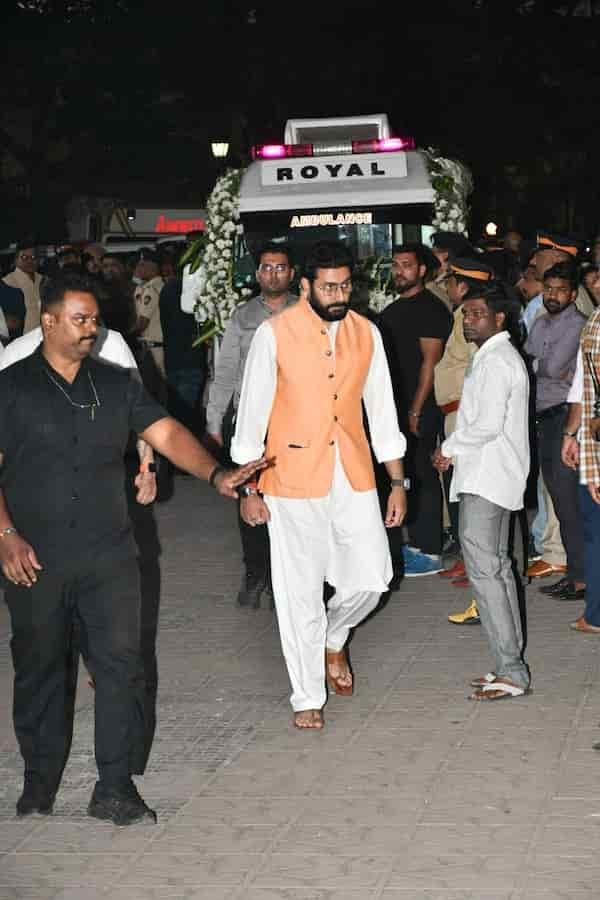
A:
(420, 252)
(26, 244)
(566, 271)
(327, 255)
(273, 247)
(71, 282)
(499, 299)
(477, 288)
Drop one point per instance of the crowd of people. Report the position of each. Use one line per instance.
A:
(362, 449)
(139, 295)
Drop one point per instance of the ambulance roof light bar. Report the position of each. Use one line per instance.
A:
(285, 151)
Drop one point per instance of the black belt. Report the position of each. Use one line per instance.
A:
(151, 343)
(551, 412)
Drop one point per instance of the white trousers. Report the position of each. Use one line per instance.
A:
(341, 539)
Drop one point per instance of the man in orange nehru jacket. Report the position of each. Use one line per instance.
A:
(308, 372)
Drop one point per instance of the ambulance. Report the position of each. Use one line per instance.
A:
(343, 178)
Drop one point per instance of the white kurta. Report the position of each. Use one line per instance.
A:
(110, 347)
(339, 538)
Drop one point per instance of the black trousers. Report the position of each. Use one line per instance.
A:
(424, 518)
(256, 549)
(563, 487)
(145, 534)
(104, 602)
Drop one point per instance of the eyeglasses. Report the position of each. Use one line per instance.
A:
(475, 314)
(267, 268)
(28, 256)
(330, 288)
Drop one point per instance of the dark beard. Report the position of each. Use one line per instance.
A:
(553, 308)
(329, 314)
(406, 286)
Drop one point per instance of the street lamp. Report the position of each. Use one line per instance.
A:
(220, 149)
(491, 229)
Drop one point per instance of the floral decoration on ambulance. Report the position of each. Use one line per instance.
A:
(452, 182)
(373, 276)
(209, 273)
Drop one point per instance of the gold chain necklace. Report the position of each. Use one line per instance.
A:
(91, 406)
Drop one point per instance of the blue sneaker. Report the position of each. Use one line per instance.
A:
(417, 564)
(408, 552)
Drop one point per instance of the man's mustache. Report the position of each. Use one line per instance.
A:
(93, 338)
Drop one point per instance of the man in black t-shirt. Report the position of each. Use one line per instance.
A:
(416, 327)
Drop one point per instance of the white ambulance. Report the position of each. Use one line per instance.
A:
(344, 178)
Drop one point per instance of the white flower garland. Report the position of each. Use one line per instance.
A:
(452, 182)
(217, 297)
(211, 281)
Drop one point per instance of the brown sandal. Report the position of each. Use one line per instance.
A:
(335, 684)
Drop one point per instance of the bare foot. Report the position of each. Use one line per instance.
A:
(338, 670)
(309, 718)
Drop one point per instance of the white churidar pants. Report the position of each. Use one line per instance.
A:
(341, 539)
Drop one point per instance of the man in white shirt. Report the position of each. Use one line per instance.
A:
(308, 371)
(26, 277)
(490, 453)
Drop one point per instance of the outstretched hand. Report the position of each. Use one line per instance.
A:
(227, 480)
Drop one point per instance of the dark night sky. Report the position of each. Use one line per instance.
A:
(128, 102)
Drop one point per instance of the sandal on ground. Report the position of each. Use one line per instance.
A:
(334, 683)
(310, 723)
(482, 680)
(499, 690)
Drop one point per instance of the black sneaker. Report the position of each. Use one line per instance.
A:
(251, 590)
(558, 587)
(121, 806)
(36, 797)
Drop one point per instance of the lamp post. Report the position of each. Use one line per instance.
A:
(220, 149)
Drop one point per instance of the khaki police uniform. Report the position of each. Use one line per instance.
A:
(147, 296)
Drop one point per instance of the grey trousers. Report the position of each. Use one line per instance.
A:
(484, 541)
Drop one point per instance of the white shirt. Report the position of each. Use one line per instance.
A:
(258, 393)
(490, 446)
(110, 347)
(575, 394)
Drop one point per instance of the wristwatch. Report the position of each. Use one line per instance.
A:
(400, 482)
(569, 433)
(147, 467)
(246, 491)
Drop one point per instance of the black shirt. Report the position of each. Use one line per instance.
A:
(63, 473)
(402, 324)
(179, 330)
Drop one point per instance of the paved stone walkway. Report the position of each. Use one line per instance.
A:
(410, 792)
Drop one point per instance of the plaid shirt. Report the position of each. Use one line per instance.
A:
(589, 458)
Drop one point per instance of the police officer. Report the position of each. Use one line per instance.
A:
(147, 298)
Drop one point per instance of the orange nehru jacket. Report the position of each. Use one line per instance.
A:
(318, 405)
